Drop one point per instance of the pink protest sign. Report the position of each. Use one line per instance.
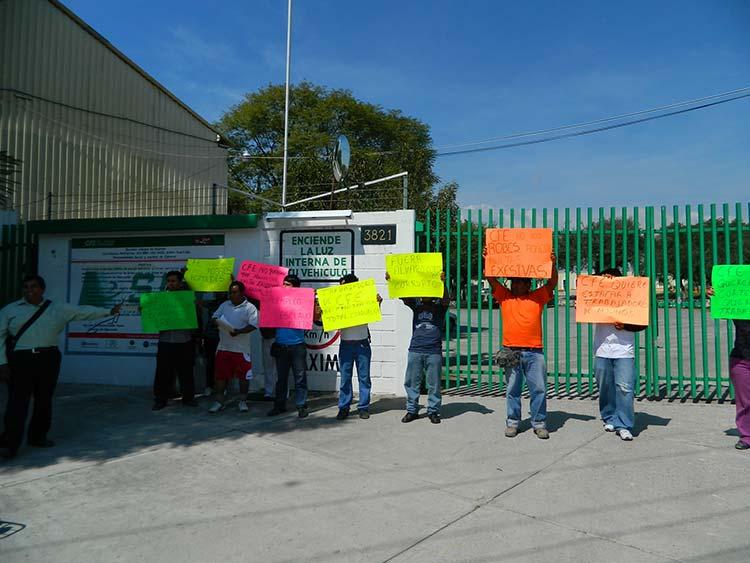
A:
(258, 277)
(288, 307)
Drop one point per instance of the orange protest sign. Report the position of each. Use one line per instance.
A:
(609, 300)
(518, 253)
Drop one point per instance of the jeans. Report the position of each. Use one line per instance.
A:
(616, 379)
(417, 363)
(269, 368)
(351, 352)
(739, 372)
(293, 358)
(533, 368)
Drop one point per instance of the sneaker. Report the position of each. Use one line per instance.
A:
(542, 433)
(216, 407)
(434, 417)
(207, 392)
(342, 414)
(242, 407)
(363, 414)
(625, 434)
(276, 410)
(609, 427)
(302, 412)
(158, 405)
(409, 416)
(740, 445)
(267, 398)
(511, 431)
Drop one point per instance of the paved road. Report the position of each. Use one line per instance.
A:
(125, 484)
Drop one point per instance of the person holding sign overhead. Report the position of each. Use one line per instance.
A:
(235, 319)
(354, 348)
(175, 356)
(614, 345)
(425, 352)
(291, 354)
(521, 310)
(30, 360)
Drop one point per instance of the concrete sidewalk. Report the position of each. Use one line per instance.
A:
(127, 484)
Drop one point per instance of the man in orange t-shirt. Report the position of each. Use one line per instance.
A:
(521, 311)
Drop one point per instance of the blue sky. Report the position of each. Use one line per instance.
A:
(480, 69)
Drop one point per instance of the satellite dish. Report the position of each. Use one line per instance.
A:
(341, 156)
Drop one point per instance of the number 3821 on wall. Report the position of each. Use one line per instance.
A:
(378, 234)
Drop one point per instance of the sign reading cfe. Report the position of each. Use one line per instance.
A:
(318, 256)
(731, 298)
(608, 300)
(257, 277)
(518, 253)
(350, 304)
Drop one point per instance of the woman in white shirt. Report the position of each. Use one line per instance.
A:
(614, 345)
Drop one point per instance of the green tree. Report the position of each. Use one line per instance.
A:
(383, 142)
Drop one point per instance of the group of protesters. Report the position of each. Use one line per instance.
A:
(30, 359)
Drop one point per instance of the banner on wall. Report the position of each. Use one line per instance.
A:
(108, 270)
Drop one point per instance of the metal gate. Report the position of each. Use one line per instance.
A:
(684, 352)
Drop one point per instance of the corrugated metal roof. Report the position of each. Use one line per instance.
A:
(99, 37)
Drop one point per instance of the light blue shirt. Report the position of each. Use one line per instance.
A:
(290, 336)
(47, 328)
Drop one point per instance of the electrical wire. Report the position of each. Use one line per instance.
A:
(596, 121)
(590, 131)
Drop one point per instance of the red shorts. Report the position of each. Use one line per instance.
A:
(230, 365)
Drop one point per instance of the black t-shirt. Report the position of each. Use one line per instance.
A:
(428, 326)
(741, 348)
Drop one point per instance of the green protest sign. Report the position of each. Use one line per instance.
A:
(209, 274)
(731, 286)
(168, 310)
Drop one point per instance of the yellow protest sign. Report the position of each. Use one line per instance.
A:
(350, 304)
(414, 275)
(209, 274)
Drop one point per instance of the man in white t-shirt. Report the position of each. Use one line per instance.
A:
(614, 346)
(235, 319)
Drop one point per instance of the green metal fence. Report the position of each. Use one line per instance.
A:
(683, 353)
(17, 258)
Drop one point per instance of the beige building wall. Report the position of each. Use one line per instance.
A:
(98, 136)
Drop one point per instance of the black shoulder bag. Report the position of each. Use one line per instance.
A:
(11, 340)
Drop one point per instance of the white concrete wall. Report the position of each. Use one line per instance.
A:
(390, 337)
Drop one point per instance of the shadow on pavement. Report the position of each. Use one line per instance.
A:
(100, 423)
(557, 419)
(456, 409)
(644, 420)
